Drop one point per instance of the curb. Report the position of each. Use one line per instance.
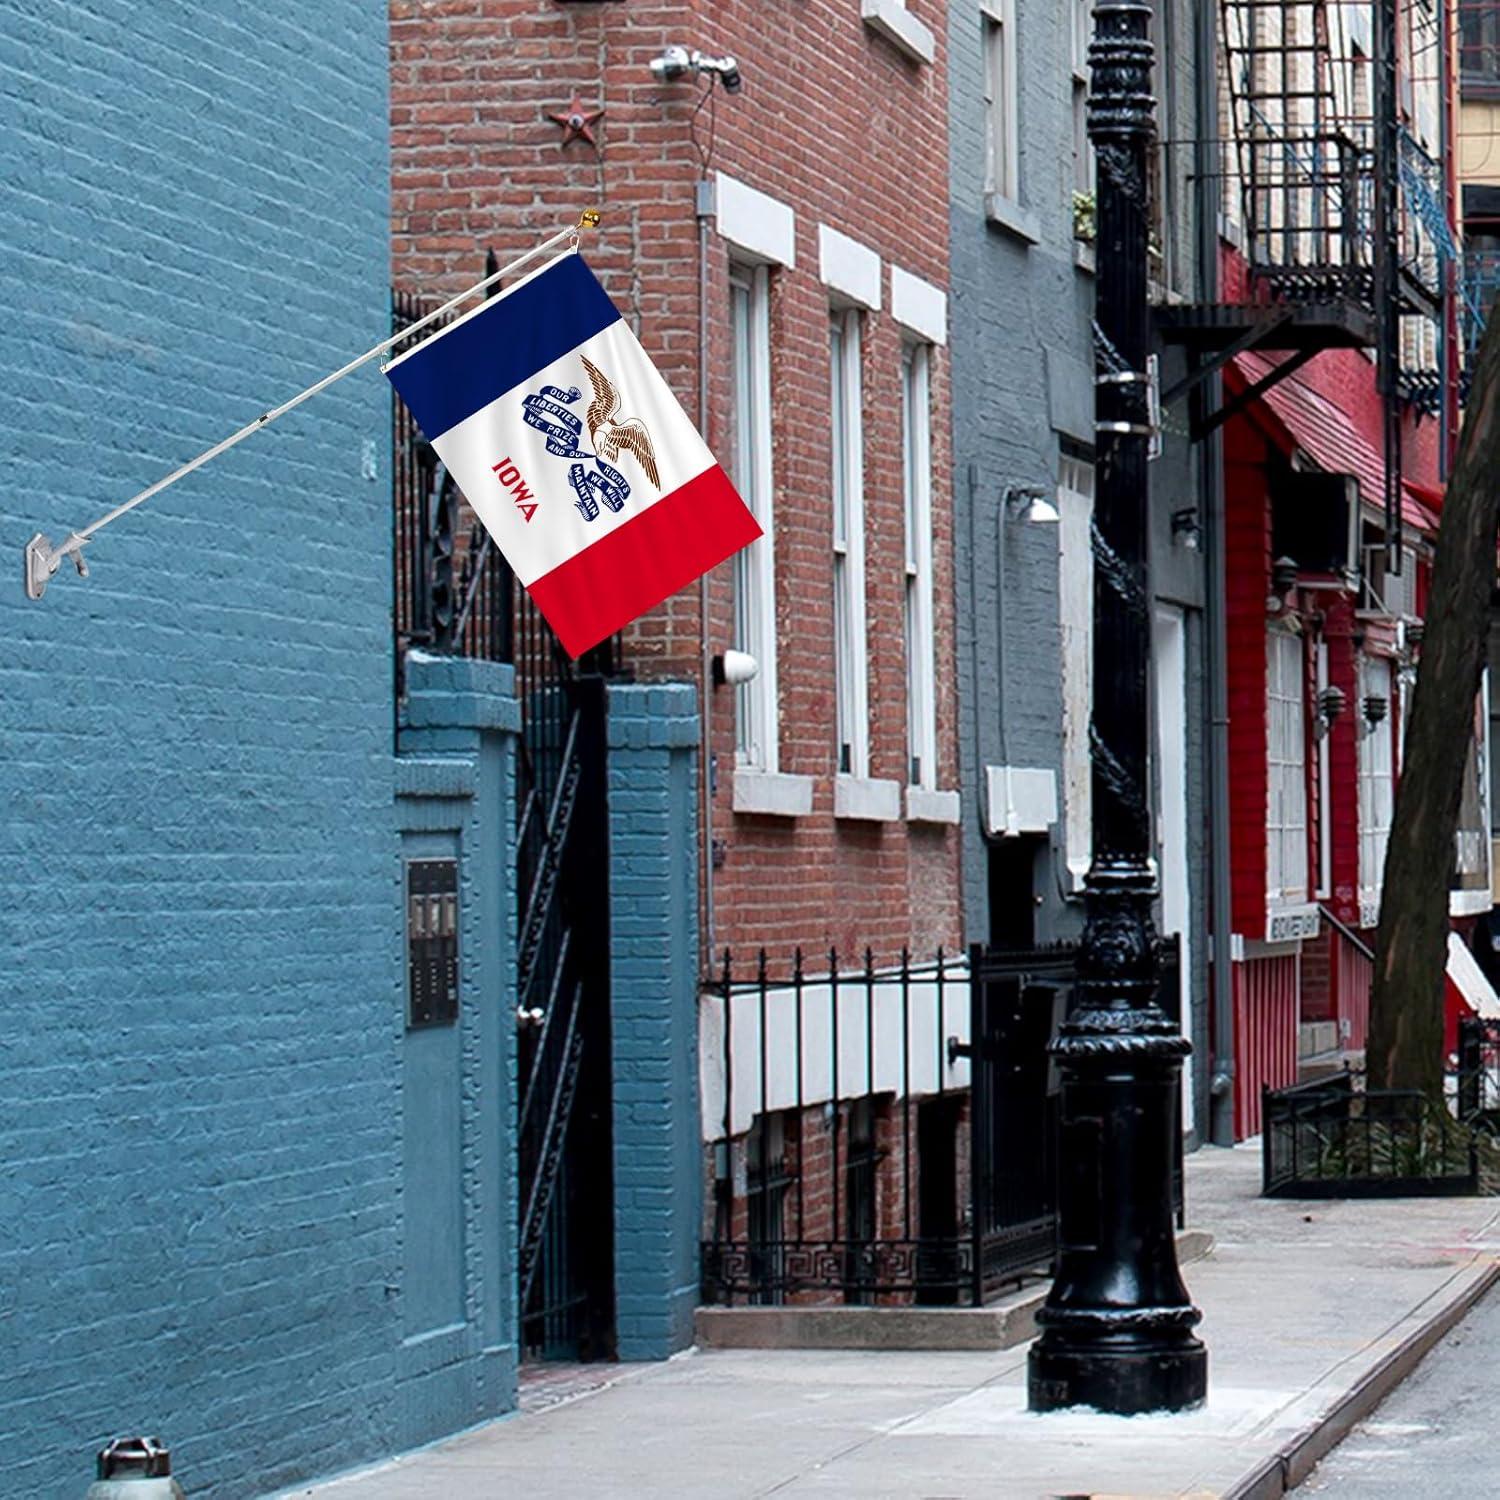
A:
(1297, 1458)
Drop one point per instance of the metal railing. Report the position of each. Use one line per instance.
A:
(886, 1134)
(1481, 282)
(454, 593)
(836, 1116)
(1333, 1138)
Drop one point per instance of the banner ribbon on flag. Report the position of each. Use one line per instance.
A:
(573, 452)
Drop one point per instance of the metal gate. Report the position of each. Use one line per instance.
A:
(1019, 998)
(566, 1267)
(454, 593)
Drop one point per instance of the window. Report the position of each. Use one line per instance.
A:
(1001, 119)
(921, 697)
(1075, 599)
(1479, 43)
(1083, 152)
(766, 1183)
(1286, 772)
(1376, 786)
(861, 1186)
(1325, 782)
(754, 566)
(845, 420)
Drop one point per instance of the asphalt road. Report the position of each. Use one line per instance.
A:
(1436, 1434)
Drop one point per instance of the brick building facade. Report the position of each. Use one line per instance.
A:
(824, 184)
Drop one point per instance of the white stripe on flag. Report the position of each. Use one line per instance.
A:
(521, 491)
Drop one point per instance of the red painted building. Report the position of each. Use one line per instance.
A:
(1333, 336)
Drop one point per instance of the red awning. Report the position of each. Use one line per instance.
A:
(1304, 418)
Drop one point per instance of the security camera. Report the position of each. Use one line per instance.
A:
(679, 62)
(674, 63)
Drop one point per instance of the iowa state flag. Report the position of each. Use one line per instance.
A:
(574, 453)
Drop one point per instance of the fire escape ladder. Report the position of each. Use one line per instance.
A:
(1335, 204)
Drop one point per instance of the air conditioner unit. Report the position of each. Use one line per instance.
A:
(1315, 521)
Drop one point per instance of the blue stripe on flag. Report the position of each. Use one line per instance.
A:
(493, 350)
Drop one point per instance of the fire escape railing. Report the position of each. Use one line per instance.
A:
(1343, 206)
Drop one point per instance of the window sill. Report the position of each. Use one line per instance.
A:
(1462, 903)
(1005, 213)
(892, 20)
(1083, 255)
(923, 805)
(865, 799)
(1231, 232)
(774, 794)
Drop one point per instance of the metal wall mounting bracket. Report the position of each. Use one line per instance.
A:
(43, 560)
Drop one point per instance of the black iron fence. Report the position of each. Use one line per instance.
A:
(1476, 1090)
(885, 1134)
(454, 592)
(1334, 1138)
(839, 1165)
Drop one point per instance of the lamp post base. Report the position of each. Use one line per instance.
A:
(1143, 1375)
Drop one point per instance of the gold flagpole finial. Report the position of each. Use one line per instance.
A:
(589, 219)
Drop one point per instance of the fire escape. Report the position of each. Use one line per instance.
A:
(1335, 207)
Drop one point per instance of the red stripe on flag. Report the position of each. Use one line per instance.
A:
(603, 588)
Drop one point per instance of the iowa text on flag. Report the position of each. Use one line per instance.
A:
(574, 453)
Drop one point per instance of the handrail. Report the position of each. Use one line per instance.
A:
(1348, 932)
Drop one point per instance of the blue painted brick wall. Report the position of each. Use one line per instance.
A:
(456, 797)
(653, 874)
(198, 1107)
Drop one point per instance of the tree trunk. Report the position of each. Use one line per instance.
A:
(1406, 1003)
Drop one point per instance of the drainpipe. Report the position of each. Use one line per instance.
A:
(1206, 169)
(704, 203)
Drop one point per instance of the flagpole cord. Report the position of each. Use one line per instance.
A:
(42, 559)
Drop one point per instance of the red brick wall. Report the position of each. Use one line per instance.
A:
(833, 121)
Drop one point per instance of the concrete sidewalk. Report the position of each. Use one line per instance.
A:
(1312, 1311)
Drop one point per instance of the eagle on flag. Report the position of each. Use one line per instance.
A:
(608, 433)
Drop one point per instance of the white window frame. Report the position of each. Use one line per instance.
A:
(1002, 121)
(756, 728)
(1377, 784)
(921, 670)
(1085, 176)
(1467, 901)
(1325, 781)
(1287, 871)
(847, 492)
(1075, 607)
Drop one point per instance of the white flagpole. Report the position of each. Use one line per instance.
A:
(43, 559)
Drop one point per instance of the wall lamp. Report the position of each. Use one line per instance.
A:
(1331, 703)
(1029, 503)
(733, 668)
(681, 62)
(1375, 707)
(1283, 581)
(1186, 530)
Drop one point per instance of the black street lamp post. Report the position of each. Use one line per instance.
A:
(1117, 1327)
